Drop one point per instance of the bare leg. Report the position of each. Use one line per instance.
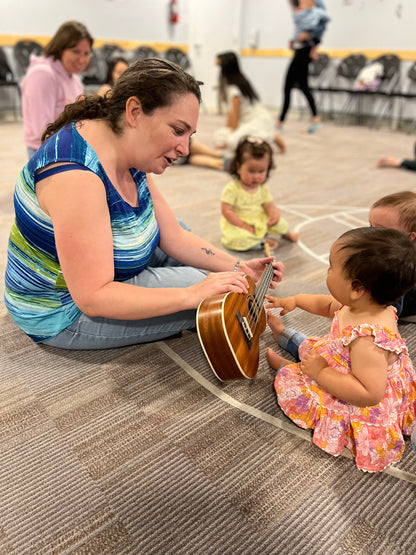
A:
(275, 360)
(388, 162)
(275, 324)
(292, 236)
(272, 244)
(199, 148)
(207, 161)
(279, 142)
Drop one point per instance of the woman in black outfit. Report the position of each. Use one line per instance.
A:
(297, 75)
(298, 71)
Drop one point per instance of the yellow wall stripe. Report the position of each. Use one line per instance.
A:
(406, 55)
(10, 40)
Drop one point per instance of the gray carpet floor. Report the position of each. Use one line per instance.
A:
(141, 450)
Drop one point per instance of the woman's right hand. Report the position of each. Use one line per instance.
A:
(286, 303)
(218, 283)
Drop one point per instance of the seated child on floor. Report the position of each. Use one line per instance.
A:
(249, 214)
(356, 386)
(398, 211)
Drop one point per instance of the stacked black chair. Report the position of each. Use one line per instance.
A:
(8, 81)
(110, 50)
(95, 74)
(382, 97)
(143, 52)
(22, 51)
(343, 81)
(407, 94)
(179, 57)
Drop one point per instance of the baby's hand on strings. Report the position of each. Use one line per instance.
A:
(286, 303)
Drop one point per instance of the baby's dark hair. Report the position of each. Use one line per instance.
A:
(380, 259)
(251, 147)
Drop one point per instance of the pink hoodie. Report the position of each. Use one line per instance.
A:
(46, 90)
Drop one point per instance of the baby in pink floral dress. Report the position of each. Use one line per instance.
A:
(355, 387)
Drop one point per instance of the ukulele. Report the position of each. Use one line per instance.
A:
(229, 327)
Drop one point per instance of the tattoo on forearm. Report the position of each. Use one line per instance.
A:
(208, 251)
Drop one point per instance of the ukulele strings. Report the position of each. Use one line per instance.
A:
(259, 293)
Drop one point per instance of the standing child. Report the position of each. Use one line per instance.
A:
(356, 387)
(398, 211)
(248, 211)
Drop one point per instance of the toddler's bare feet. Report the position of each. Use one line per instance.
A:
(388, 162)
(275, 360)
(275, 324)
(272, 244)
(292, 236)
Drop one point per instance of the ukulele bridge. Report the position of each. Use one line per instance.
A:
(244, 325)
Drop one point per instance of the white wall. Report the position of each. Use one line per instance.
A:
(355, 24)
(145, 20)
(212, 26)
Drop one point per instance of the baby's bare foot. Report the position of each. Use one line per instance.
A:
(275, 324)
(388, 162)
(292, 236)
(272, 244)
(275, 360)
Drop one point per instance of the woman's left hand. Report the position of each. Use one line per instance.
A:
(256, 266)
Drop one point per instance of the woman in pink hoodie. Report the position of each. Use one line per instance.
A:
(51, 82)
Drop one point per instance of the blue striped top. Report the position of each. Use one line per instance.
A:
(36, 294)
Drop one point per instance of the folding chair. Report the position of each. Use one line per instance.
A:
(22, 51)
(407, 94)
(179, 57)
(8, 81)
(343, 79)
(109, 50)
(94, 76)
(143, 52)
(382, 98)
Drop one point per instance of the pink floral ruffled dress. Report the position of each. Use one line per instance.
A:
(373, 434)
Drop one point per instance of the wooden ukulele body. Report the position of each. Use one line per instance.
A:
(229, 327)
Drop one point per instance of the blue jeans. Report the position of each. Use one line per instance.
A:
(105, 333)
(290, 340)
(406, 305)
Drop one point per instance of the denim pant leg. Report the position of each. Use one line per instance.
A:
(105, 333)
(290, 340)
